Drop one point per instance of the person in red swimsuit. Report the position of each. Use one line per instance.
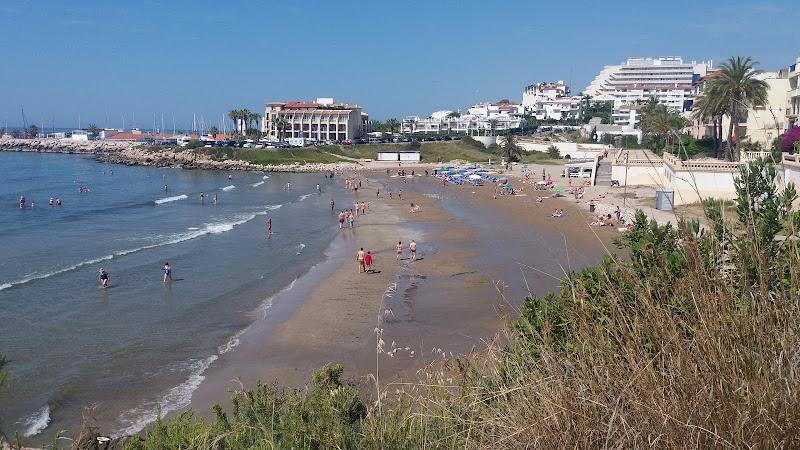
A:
(368, 261)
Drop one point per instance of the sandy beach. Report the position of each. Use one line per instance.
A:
(478, 257)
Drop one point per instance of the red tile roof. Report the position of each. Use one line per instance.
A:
(137, 136)
(301, 105)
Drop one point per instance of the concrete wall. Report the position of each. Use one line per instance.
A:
(486, 140)
(687, 184)
(639, 175)
(571, 149)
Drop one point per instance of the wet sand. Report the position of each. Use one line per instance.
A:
(478, 258)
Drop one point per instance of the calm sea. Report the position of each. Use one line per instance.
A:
(141, 344)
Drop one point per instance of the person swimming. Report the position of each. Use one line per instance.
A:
(22, 201)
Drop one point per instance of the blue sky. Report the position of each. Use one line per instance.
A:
(107, 59)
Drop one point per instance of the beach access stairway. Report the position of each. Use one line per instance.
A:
(603, 177)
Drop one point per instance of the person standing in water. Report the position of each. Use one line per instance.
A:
(332, 204)
(103, 276)
(167, 272)
(413, 247)
(22, 202)
(269, 227)
(216, 199)
(319, 189)
(399, 250)
(202, 197)
(166, 188)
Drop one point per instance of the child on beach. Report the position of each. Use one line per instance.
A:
(368, 262)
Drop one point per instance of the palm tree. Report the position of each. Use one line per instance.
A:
(235, 115)
(711, 106)
(253, 118)
(737, 85)
(510, 149)
(660, 122)
(392, 124)
(280, 126)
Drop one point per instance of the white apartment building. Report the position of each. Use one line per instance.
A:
(539, 91)
(761, 123)
(481, 119)
(668, 79)
(322, 120)
(626, 115)
(551, 101)
(793, 96)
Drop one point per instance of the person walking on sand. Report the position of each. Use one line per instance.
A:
(619, 214)
(167, 272)
(413, 247)
(341, 219)
(399, 250)
(360, 260)
(103, 276)
(368, 262)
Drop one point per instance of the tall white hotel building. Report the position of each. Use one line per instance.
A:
(668, 79)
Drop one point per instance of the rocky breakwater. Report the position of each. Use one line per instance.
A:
(141, 154)
(190, 159)
(65, 146)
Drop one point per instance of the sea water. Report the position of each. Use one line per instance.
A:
(141, 344)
